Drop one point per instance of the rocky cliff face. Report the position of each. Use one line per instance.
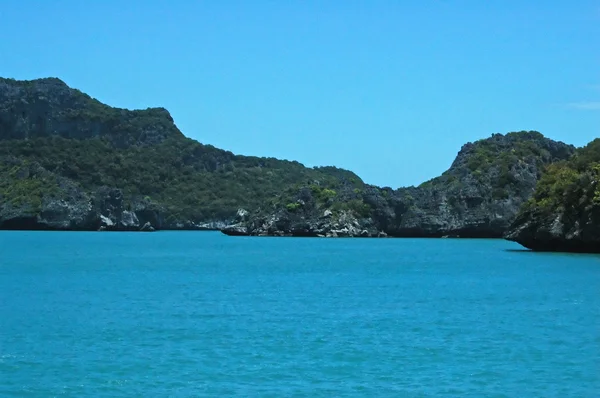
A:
(306, 216)
(23, 206)
(479, 196)
(481, 193)
(564, 212)
(561, 231)
(48, 107)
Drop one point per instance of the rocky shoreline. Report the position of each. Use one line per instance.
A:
(71, 163)
(70, 208)
(558, 231)
(479, 196)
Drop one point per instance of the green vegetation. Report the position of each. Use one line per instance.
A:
(504, 153)
(71, 135)
(357, 206)
(141, 152)
(570, 186)
(322, 194)
(337, 191)
(293, 206)
(73, 114)
(193, 181)
(22, 187)
(495, 162)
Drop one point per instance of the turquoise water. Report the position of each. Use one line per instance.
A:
(201, 314)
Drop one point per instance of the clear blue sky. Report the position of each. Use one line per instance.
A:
(388, 89)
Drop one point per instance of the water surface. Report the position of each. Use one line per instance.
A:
(202, 314)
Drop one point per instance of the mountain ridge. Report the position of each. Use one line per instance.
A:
(140, 152)
(478, 196)
(65, 153)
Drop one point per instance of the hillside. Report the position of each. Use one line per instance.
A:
(67, 161)
(481, 192)
(62, 137)
(564, 212)
(478, 196)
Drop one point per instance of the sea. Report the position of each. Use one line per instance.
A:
(201, 314)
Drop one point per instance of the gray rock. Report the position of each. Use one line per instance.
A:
(147, 227)
(235, 230)
(130, 221)
(558, 231)
(212, 225)
(465, 202)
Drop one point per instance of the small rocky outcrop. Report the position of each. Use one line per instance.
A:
(235, 230)
(114, 214)
(564, 212)
(311, 212)
(284, 223)
(558, 231)
(147, 228)
(237, 227)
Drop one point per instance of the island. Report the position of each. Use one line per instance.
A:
(70, 162)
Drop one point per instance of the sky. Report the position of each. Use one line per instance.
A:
(388, 89)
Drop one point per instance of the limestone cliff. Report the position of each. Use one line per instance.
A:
(478, 196)
(564, 212)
